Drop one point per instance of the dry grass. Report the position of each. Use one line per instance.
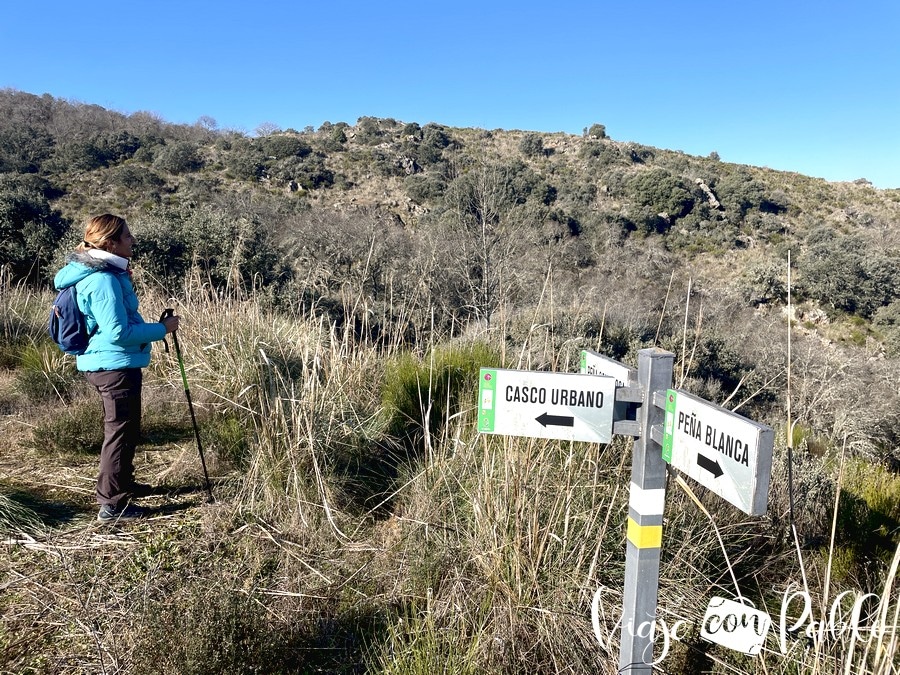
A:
(474, 554)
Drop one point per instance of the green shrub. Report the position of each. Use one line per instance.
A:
(661, 192)
(848, 274)
(246, 160)
(46, 374)
(887, 319)
(765, 282)
(281, 146)
(30, 229)
(422, 188)
(179, 157)
(231, 249)
(226, 435)
(200, 630)
(596, 131)
(72, 429)
(419, 395)
(434, 141)
(532, 145)
(136, 177)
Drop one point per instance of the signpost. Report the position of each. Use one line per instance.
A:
(723, 451)
(563, 406)
(729, 454)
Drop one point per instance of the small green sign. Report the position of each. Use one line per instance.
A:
(669, 426)
(487, 389)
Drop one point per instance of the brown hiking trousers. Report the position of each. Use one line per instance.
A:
(120, 391)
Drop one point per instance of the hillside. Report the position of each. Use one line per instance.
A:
(339, 288)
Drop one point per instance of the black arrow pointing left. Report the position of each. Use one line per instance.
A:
(547, 420)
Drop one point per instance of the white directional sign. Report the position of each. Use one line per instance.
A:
(725, 452)
(593, 363)
(564, 406)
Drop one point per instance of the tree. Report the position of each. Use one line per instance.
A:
(267, 129)
(480, 238)
(207, 123)
(597, 131)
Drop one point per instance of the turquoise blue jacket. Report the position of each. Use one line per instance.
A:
(110, 306)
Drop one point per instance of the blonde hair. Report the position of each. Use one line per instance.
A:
(100, 230)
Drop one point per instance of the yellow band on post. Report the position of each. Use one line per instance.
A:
(644, 536)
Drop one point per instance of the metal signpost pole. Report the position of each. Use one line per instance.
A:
(645, 516)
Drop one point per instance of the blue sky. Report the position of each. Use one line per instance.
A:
(797, 85)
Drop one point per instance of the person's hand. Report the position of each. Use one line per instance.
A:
(171, 323)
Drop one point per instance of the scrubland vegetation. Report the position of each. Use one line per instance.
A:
(339, 288)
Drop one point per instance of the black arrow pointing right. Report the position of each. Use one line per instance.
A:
(555, 420)
(711, 465)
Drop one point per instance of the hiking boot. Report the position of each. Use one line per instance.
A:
(138, 490)
(110, 514)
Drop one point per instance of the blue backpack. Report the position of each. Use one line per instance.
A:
(67, 325)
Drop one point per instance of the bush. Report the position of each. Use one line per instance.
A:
(281, 146)
(136, 177)
(208, 630)
(73, 429)
(231, 249)
(418, 396)
(597, 131)
(847, 274)
(887, 319)
(245, 160)
(179, 157)
(532, 145)
(23, 149)
(368, 131)
(30, 230)
(765, 283)
(434, 141)
(312, 174)
(46, 374)
(661, 192)
(336, 141)
(421, 188)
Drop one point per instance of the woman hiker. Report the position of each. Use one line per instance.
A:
(119, 346)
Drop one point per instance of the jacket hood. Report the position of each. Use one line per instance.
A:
(78, 266)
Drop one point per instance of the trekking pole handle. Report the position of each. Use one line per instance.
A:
(167, 312)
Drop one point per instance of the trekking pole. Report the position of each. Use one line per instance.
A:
(187, 393)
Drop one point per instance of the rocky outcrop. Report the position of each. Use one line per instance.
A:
(710, 196)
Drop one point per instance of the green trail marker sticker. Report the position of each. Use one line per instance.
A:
(487, 390)
(671, 397)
